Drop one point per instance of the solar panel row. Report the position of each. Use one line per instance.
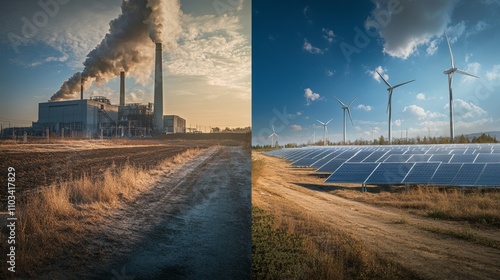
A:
(444, 165)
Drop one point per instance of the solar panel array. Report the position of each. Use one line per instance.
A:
(461, 165)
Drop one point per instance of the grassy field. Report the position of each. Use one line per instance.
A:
(53, 219)
(477, 207)
(291, 245)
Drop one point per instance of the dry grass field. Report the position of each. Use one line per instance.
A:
(337, 232)
(68, 192)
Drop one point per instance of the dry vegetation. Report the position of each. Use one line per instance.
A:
(56, 217)
(292, 245)
(479, 207)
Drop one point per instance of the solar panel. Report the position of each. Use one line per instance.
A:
(419, 158)
(463, 158)
(352, 173)
(360, 156)
(421, 173)
(375, 156)
(324, 160)
(304, 162)
(389, 173)
(440, 164)
(397, 158)
(490, 176)
(441, 158)
(331, 166)
(487, 158)
(468, 174)
(445, 173)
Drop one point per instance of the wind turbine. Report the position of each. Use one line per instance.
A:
(272, 138)
(344, 108)
(450, 72)
(324, 129)
(389, 104)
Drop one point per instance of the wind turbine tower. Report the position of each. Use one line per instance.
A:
(346, 108)
(450, 72)
(324, 129)
(272, 138)
(389, 105)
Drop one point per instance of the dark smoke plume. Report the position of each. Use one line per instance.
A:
(128, 45)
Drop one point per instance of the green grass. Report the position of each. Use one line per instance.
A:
(276, 254)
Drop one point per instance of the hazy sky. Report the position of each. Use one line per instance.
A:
(305, 53)
(207, 76)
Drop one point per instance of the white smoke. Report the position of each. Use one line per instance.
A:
(128, 45)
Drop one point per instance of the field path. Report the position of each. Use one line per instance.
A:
(194, 224)
(431, 255)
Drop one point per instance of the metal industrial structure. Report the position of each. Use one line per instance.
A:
(78, 118)
(158, 92)
(97, 117)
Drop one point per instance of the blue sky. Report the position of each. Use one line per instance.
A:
(305, 53)
(207, 64)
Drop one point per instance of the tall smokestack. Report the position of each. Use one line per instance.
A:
(81, 88)
(158, 99)
(122, 88)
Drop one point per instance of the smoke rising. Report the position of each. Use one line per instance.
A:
(128, 44)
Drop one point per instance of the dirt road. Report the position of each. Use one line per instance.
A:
(430, 255)
(194, 224)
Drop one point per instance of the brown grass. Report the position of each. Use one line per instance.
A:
(324, 252)
(58, 216)
(476, 206)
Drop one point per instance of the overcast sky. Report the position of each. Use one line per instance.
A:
(305, 53)
(207, 67)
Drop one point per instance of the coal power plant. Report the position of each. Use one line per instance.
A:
(96, 117)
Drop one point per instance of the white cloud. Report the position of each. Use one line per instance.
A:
(364, 107)
(420, 113)
(397, 122)
(310, 48)
(213, 47)
(432, 47)
(329, 72)
(494, 74)
(328, 34)
(421, 96)
(472, 68)
(310, 95)
(295, 127)
(455, 31)
(412, 23)
(375, 76)
(466, 109)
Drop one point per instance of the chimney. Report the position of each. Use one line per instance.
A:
(158, 92)
(122, 88)
(81, 88)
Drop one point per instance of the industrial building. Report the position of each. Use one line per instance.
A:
(97, 117)
(174, 124)
(78, 118)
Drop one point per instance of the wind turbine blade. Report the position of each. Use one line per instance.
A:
(341, 103)
(321, 122)
(352, 102)
(402, 84)
(273, 129)
(465, 73)
(386, 82)
(451, 53)
(328, 121)
(350, 116)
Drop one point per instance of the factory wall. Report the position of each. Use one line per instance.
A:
(77, 116)
(174, 124)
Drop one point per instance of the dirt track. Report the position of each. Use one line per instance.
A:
(193, 224)
(430, 255)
